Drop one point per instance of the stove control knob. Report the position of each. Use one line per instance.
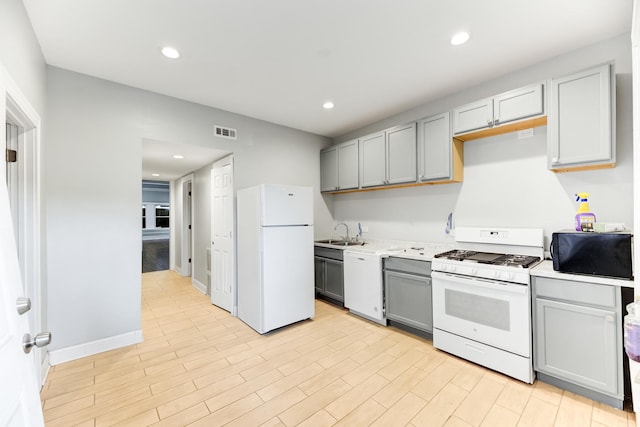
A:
(452, 268)
(495, 274)
(510, 276)
(474, 271)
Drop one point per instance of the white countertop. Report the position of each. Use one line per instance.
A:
(545, 269)
(400, 248)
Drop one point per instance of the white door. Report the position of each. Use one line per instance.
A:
(222, 248)
(19, 399)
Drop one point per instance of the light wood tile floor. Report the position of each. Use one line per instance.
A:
(199, 366)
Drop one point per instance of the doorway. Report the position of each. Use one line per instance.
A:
(156, 214)
(187, 221)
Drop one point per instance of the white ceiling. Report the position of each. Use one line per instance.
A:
(279, 60)
(157, 157)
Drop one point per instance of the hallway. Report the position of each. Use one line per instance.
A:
(200, 365)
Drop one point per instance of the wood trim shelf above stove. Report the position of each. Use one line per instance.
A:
(503, 129)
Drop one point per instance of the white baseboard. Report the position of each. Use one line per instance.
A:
(94, 347)
(177, 270)
(199, 285)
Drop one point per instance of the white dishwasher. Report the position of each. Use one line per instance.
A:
(363, 285)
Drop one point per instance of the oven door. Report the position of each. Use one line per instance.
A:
(487, 311)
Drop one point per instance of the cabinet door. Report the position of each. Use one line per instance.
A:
(434, 148)
(474, 116)
(578, 344)
(580, 120)
(372, 160)
(348, 165)
(518, 104)
(408, 300)
(401, 154)
(318, 264)
(334, 280)
(329, 169)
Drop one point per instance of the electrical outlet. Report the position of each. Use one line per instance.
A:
(527, 133)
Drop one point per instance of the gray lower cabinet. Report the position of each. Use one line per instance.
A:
(329, 273)
(577, 338)
(407, 285)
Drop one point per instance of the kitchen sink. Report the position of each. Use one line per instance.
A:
(340, 242)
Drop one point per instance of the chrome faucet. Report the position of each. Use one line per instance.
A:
(345, 226)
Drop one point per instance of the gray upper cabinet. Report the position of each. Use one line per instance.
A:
(373, 160)
(348, 165)
(388, 157)
(474, 116)
(507, 107)
(434, 148)
(581, 131)
(329, 169)
(339, 167)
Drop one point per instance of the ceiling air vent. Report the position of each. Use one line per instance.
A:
(224, 132)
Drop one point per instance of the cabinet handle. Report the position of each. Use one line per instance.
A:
(554, 160)
(489, 123)
(495, 122)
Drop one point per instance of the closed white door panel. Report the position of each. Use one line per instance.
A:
(286, 205)
(288, 291)
(222, 246)
(19, 399)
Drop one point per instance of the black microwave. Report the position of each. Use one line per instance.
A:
(596, 254)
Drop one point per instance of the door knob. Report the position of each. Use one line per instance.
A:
(23, 304)
(40, 340)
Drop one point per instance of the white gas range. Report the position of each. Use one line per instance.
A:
(482, 298)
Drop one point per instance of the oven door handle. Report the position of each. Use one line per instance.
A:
(480, 282)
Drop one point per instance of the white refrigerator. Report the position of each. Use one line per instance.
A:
(275, 256)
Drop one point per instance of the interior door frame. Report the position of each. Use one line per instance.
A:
(15, 106)
(186, 236)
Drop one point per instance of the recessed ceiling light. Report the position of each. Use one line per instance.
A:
(178, 156)
(328, 105)
(459, 38)
(155, 174)
(170, 52)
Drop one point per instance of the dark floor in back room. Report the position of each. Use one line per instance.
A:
(155, 255)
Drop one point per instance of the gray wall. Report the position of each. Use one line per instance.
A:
(201, 222)
(92, 187)
(20, 53)
(506, 181)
